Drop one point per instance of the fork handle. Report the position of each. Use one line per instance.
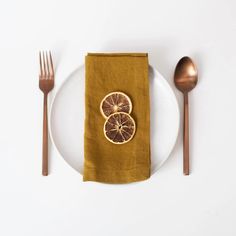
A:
(45, 136)
(186, 136)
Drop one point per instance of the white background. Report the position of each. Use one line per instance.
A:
(167, 204)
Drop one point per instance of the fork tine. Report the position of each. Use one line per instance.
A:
(40, 62)
(44, 64)
(51, 64)
(47, 63)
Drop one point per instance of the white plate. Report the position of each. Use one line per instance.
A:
(66, 124)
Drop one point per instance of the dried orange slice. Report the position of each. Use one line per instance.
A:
(115, 102)
(119, 128)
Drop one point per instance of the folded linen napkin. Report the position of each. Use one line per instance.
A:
(104, 161)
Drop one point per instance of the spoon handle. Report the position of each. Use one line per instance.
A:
(186, 136)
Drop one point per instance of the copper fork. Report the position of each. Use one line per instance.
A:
(46, 84)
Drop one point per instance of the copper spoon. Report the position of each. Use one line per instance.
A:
(185, 79)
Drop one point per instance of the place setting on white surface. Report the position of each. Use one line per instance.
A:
(169, 202)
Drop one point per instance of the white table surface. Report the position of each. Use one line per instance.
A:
(169, 203)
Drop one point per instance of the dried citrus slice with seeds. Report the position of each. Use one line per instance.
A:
(119, 128)
(115, 102)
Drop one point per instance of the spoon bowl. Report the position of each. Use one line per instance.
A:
(186, 75)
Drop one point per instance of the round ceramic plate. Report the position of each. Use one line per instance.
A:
(66, 122)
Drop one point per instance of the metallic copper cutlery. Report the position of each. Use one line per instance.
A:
(185, 79)
(46, 84)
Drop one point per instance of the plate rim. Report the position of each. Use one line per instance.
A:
(165, 82)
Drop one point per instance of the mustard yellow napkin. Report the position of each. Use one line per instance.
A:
(104, 161)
